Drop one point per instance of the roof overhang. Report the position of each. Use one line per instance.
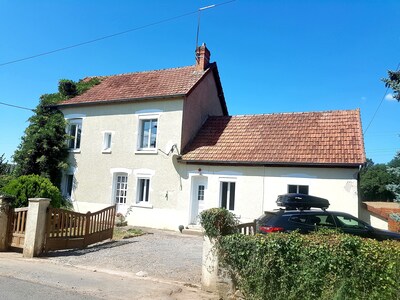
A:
(271, 164)
(126, 100)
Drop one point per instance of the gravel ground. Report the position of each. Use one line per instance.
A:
(161, 254)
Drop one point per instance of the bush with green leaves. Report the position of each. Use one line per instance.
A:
(326, 264)
(218, 222)
(32, 186)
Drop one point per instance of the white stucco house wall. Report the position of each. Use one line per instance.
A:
(161, 145)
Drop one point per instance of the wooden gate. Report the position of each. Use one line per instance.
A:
(69, 230)
(17, 226)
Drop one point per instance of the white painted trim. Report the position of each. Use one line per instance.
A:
(148, 111)
(144, 173)
(74, 116)
(120, 170)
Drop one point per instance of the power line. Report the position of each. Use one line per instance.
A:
(111, 35)
(379, 106)
(16, 106)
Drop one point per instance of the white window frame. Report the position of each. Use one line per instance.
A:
(298, 188)
(117, 189)
(229, 183)
(107, 142)
(142, 119)
(77, 135)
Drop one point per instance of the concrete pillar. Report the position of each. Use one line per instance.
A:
(4, 210)
(35, 227)
(209, 271)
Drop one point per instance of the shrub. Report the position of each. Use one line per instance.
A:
(323, 265)
(32, 186)
(218, 222)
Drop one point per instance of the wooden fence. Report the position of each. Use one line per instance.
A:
(68, 230)
(248, 228)
(17, 227)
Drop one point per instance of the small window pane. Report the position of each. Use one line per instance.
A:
(303, 189)
(224, 194)
(144, 188)
(69, 184)
(200, 193)
(292, 188)
(148, 134)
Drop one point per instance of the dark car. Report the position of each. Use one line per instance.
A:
(298, 215)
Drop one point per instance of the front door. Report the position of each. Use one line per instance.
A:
(199, 188)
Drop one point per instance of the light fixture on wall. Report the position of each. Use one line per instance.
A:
(199, 170)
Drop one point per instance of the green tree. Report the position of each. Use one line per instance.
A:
(394, 171)
(5, 171)
(43, 150)
(374, 179)
(393, 82)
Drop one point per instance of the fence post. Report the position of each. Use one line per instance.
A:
(4, 213)
(35, 227)
(87, 229)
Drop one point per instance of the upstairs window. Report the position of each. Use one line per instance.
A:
(148, 134)
(74, 130)
(107, 138)
(298, 189)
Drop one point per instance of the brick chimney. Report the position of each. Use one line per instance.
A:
(202, 57)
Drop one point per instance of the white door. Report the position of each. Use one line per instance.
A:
(199, 188)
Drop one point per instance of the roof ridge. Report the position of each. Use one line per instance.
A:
(139, 72)
(297, 113)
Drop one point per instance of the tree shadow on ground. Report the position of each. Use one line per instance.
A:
(90, 249)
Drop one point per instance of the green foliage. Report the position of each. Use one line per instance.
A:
(322, 265)
(393, 82)
(373, 183)
(218, 222)
(32, 186)
(394, 171)
(43, 150)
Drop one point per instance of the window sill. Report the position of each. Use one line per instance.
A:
(74, 150)
(106, 151)
(143, 205)
(146, 151)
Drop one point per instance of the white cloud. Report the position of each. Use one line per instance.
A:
(389, 97)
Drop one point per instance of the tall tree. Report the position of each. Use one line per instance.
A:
(393, 82)
(394, 171)
(43, 150)
(374, 179)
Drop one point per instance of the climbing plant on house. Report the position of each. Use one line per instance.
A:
(43, 150)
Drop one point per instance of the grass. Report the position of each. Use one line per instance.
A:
(121, 233)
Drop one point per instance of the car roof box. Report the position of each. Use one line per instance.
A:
(301, 201)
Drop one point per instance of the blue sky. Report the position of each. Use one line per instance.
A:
(273, 56)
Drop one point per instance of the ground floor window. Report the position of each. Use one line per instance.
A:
(143, 190)
(298, 189)
(200, 193)
(121, 188)
(228, 195)
(69, 183)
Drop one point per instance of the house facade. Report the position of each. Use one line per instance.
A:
(161, 145)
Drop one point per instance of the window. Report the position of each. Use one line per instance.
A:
(121, 188)
(107, 142)
(349, 222)
(143, 190)
(68, 185)
(200, 193)
(148, 134)
(74, 129)
(298, 189)
(228, 195)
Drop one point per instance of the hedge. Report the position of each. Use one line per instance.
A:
(322, 265)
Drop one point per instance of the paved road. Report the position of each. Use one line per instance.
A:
(45, 278)
(12, 288)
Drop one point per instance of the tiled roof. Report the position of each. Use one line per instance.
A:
(149, 84)
(332, 137)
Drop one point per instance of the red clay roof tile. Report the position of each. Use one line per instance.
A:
(149, 84)
(332, 137)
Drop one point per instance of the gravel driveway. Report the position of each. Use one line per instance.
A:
(158, 254)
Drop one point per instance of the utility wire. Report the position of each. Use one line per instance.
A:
(379, 106)
(16, 106)
(111, 35)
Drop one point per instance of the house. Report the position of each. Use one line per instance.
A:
(162, 146)
(378, 214)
